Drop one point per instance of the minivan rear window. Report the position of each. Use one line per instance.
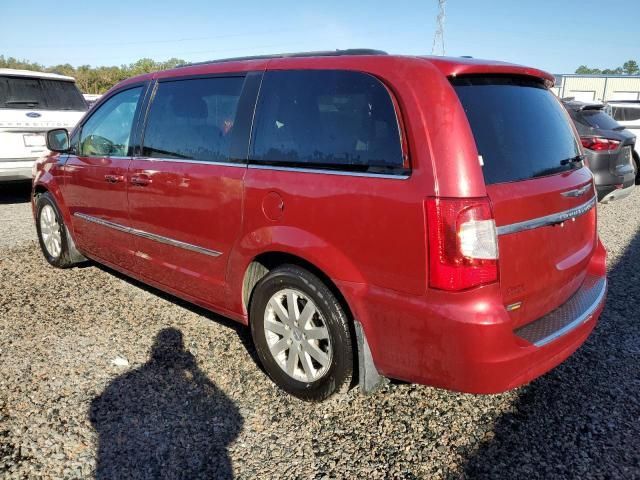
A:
(520, 128)
(40, 94)
(327, 119)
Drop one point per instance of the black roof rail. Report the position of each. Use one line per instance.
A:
(321, 53)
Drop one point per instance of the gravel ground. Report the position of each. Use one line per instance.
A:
(103, 377)
(16, 219)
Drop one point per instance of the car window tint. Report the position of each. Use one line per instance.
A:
(520, 128)
(327, 119)
(193, 119)
(625, 114)
(599, 119)
(108, 130)
(40, 93)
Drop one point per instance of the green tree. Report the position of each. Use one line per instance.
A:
(94, 79)
(584, 70)
(630, 67)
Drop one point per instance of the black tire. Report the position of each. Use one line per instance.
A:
(338, 374)
(636, 164)
(63, 259)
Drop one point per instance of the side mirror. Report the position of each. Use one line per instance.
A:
(58, 140)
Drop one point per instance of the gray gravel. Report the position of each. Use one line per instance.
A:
(16, 219)
(101, 376)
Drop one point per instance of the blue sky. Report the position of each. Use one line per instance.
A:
(554, 35)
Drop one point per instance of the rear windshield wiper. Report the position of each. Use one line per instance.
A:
(576, 159)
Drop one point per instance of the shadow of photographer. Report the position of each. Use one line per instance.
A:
(165, 419)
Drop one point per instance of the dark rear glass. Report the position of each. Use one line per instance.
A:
(40, 94)
(520, 128)
(599, 119)
(327, 119)
(626, 114)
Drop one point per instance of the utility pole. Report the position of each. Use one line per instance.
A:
(438, 38)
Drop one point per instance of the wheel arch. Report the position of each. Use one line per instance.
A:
(365, 373)
(264, 262)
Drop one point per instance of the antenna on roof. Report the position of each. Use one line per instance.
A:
(438, 38)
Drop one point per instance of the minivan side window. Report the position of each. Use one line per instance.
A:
(193, 119)
(327, 119)
(108, 130)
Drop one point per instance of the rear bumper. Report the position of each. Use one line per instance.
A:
(16, 169)
(466, 341)
(608, 193)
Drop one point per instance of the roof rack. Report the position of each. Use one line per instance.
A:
(321, 53)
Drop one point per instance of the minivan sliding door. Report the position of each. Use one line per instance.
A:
(186, 187)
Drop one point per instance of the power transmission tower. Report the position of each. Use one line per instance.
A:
(438, 38)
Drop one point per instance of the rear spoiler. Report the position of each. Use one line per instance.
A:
(580, 106)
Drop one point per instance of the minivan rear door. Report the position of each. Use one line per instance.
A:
(542, 195)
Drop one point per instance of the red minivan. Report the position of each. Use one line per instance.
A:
(369, 216)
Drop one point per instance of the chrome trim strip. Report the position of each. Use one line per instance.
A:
(547, 220)
(328, 172)
(149, 236)
(583, 317)
(199, 162)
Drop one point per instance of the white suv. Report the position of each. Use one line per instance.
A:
(627, 114)
(30, 104)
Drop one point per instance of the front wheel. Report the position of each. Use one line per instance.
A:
(301, 334)
(52, 232)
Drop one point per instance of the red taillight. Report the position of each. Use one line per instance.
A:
(599, 144)
(463, 246)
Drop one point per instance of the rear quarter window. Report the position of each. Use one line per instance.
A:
(521, 130)
(327, 119)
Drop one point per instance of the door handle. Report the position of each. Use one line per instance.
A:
(140, 179)
(114, 178)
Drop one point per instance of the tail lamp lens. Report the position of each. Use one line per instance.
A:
(599, 144)
(463, 246)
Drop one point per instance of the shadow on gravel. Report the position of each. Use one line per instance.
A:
(165, 419)
(244, 334)
(581, 420)
(15, 192)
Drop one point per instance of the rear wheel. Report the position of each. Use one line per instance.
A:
(301, 334)
(52, 232)
(636, 163)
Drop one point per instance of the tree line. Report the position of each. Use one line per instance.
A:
(100, 79)
(630, 67)
(95, 79)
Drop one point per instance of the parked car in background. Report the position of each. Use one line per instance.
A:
(91, 98)
(627, 114)
(322, 200)
(608, 147)
(30, 104)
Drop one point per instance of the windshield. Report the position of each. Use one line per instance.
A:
(520, 128)
(40, 94)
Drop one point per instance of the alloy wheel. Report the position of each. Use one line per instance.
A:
(50, 231)
(297, 335)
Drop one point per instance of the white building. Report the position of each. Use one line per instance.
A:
(598, 87)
